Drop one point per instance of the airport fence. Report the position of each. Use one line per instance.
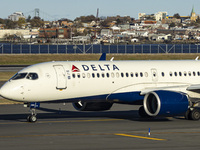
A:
(93, 49)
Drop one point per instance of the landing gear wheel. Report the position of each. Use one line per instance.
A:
(32, 118)
(142, 112)
(195, 114)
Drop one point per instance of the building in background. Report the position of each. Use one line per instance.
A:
(193, 16)
(61, 33)
(159, 16)
(15, 16)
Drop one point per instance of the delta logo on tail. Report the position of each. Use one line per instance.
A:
(75, 69)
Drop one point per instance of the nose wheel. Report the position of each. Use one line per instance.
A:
(32, 118)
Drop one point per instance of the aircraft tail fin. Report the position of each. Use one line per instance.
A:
(103, 57)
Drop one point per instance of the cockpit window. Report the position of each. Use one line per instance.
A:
(32, 76)
(19, 76)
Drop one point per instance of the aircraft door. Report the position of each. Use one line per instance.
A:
(61, 77)
(154, 75)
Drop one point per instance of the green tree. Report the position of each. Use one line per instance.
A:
(177, 16)
(1, 21)
(118, 21)
(28, 19)
(21, 22)
(37, 22)
(85, 19)
(9, 24)
(172, 24)
(105, 23)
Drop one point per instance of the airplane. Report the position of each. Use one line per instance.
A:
(161, 87)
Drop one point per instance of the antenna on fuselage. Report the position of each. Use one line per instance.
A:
(197, 58)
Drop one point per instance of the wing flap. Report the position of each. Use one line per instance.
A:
(194, 88)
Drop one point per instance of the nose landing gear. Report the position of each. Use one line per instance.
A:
(32, 117)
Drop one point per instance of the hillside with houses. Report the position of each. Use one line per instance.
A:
(147, 28)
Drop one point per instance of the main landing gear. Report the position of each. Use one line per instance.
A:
(192, 114)
(32, 117)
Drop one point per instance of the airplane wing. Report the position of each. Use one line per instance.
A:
(194, 88)
(165, 88)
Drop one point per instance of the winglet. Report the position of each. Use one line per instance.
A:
(103, 57)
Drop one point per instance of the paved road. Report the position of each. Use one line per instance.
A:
(61, 127)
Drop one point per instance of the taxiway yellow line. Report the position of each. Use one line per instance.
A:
(140, 137)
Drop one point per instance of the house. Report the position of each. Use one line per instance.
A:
(106, 32)
(159, 37)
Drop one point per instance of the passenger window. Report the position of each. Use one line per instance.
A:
(122, 74)
(117, 75)
(131, 74)
(32, 76)
(185, 73)
(108, 75)
(112, 75)
(180, 73)
(189, 73)
(88, 75)
(198, 73)
(98, 75)
(170, 74)
(175, 73)
(78, 75)
(136, 74)
(83, 75)
(141, 74)
(93, 75)
(19, 76)
(194, 73)
(146, 74)
(126, 74)
(73, 75)
(163, 74)
(103, 75)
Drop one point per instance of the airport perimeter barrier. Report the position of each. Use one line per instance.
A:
(93, 49)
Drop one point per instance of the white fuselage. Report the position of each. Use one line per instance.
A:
(100, 80)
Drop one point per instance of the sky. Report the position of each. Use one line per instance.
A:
(57, 9)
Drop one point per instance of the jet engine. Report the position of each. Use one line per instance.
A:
(92, 106)
(165, 103)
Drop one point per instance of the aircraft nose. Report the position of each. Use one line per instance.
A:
(5, 92)
(12, 91)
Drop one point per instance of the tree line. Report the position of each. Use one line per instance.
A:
(34, 22)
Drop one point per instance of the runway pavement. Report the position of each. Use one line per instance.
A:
(11, 68)
(61, 127)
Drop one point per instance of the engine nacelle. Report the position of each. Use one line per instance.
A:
(92, 106)
(165, 103)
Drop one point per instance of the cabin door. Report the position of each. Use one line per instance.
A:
(154, 75)
(60, 77)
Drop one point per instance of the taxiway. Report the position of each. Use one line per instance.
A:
(61, 127)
